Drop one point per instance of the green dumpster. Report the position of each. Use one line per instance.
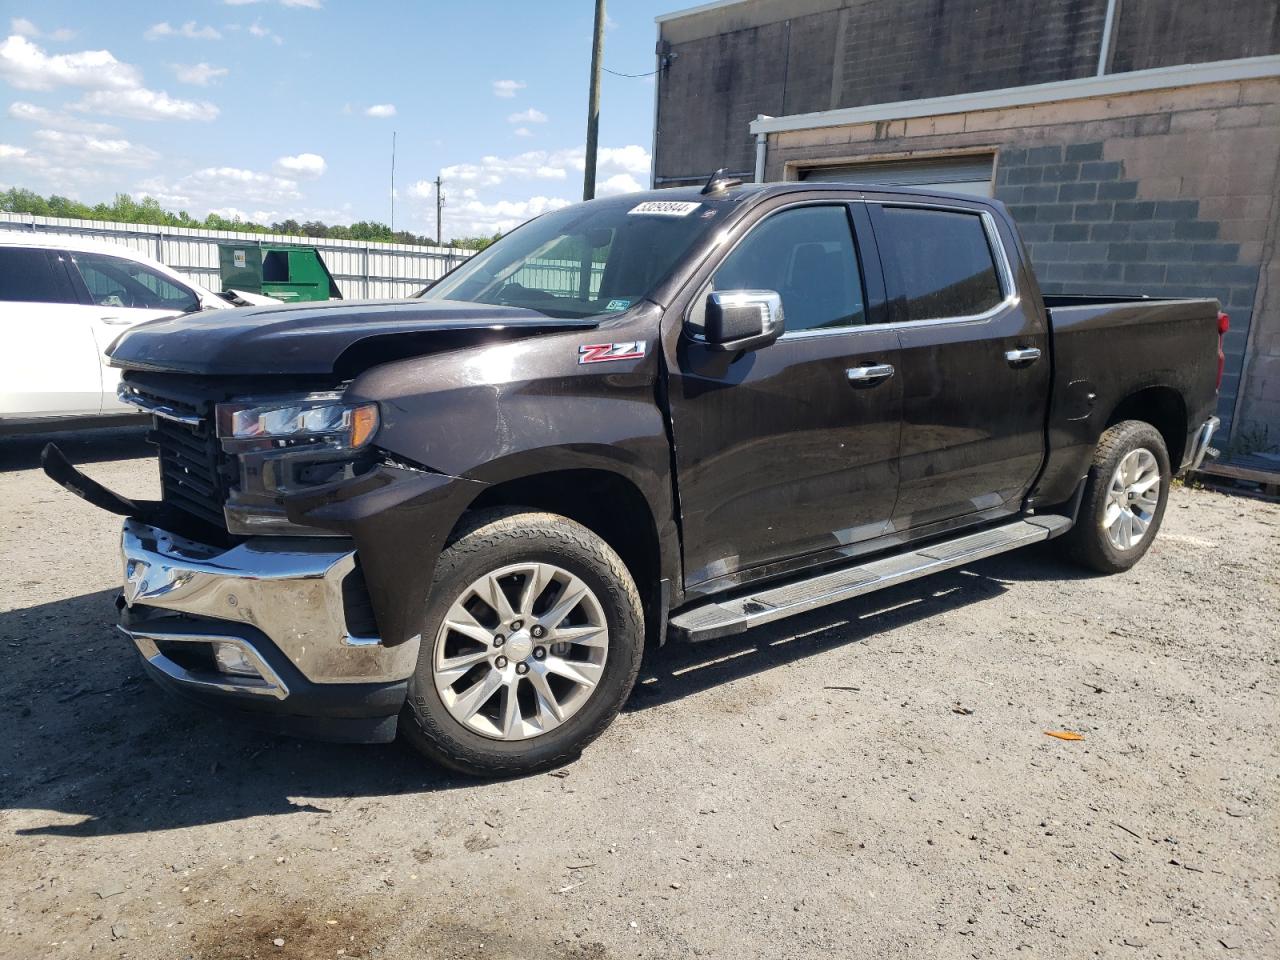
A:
(291, 274)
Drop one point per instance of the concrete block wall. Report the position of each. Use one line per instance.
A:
(784, 57)
(1171, 192)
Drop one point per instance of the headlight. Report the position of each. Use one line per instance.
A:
(323, 419)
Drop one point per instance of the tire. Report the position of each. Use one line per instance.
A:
(1089, 543)
(491, 741)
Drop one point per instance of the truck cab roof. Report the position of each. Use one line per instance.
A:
(757, 192)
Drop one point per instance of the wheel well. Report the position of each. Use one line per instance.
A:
(608, 504)
(1164, 409)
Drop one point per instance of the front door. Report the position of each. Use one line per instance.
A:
(49, 364)
(120, 294)
(974, 367)
(789, 450)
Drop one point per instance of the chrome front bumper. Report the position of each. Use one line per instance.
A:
(288, 590)
(1200, 449)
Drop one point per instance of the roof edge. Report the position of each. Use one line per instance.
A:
(693, 11)
(1136, 81)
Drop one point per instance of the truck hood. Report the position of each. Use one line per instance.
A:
(312, 338)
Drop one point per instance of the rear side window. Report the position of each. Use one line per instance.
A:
(31, 275)
(942, 261)
(116, 282)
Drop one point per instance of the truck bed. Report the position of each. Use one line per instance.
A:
(1107, 348)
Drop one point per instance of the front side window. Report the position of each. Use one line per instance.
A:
(584, 260)
(942, 260)
(28, 275)
(116, 282)
(806, 255)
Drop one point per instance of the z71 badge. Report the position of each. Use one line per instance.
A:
(602, 352)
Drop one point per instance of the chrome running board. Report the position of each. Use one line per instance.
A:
(723, 618)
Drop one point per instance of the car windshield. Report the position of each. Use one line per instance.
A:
(588, 259)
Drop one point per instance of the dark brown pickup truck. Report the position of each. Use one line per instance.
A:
(673, 414)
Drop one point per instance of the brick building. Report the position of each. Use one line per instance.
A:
(1137, 142)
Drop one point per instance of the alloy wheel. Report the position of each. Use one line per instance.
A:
(1132, 499)
(520, 651)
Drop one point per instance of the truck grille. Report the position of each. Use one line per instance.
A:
(194, 470)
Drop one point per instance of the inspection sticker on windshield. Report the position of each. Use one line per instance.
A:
(601, 352)
(664, 208)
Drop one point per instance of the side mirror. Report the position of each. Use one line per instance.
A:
(743, 319)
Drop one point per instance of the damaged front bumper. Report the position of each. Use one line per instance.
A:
(316, 636)
(262, 627)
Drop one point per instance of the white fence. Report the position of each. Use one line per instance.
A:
(362, 269)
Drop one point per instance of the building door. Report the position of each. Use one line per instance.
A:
(967, 174)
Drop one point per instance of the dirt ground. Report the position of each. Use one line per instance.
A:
(872, 780)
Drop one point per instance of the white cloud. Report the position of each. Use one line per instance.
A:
(265, 33)
(629, 159)
(222, 189)
(302, 165)
(381, 110)
(61, 162)
(549, 165)
(68, 147)
(191, 30)
(115, 88)
(532, 115)
(507, 88)
(27, 67)
(523, 132)
(25, 28)
(618, 183)
(49, 119)
(474, 217)
(307, 4)
(198, 74)
(530, 176)
(144, 104)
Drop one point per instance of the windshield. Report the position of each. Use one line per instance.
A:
(588, 259)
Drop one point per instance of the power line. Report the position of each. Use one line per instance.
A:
(629, 75)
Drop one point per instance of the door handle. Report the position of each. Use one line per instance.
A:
(1022, 355)
(870, 373)
(116, 321)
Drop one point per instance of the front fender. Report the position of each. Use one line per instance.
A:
(399, 519)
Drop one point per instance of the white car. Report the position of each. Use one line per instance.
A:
(63, 301)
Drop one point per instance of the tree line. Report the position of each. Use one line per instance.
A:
(125, 209)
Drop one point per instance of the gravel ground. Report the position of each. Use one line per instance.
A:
(870, 780)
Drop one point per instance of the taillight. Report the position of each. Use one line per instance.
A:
(1224, 324)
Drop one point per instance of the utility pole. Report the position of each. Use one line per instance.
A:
(439, 204)
(593, 106)
(393, 181)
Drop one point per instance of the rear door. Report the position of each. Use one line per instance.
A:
(49, 363)
(781, 453)
(121, 293)
(974, 367)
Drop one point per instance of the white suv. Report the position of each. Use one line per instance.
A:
(63, 301)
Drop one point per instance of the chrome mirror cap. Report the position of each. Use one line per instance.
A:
(743, 319)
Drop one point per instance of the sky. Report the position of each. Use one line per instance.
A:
(275, 109)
